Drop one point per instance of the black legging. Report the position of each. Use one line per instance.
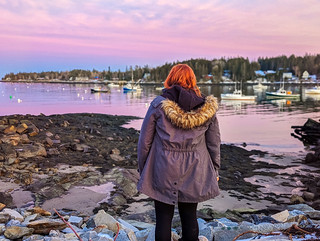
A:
(188, 217)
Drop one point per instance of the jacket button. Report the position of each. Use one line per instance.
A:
(175, 183)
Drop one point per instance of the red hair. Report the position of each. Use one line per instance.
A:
(183, 75)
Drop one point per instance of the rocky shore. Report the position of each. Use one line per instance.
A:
(85, 165)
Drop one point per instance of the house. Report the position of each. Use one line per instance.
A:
(305, 75)
(287, 75)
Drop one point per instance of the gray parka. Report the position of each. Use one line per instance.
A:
(179, 152)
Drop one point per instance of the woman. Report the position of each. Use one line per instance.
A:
(179, 152)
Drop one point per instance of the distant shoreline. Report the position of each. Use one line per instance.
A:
(145, 83)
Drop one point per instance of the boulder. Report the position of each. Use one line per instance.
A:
(103, 218)
(10, 130)
(282, 216)
(29, 151)
(22, 128)
(11, 139)
(296, 199)
(77, 221)
(13, 214)
(4, 217)
(6, 199)
(309, 196)
(15, 232)
(44, 226)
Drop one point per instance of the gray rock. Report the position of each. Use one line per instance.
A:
(140, 225)
(77, 221)
(151, 235)
(3, 238)
(13, 222)
(103, 218)
(207, 232)
(300, 207)
(122, 236)
(105, 236)
(127, 225)
(13, 214)
(69, 230)
(29, 219)
(142, 234)
(117, 200)
(35, 237)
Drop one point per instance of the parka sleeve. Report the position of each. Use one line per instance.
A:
(213, 142)
(147, 132)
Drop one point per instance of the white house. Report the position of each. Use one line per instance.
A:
(305, 75)
(287, 75)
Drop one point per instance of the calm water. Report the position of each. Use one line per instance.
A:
(264, 124)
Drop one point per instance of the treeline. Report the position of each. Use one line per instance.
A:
(216, 70)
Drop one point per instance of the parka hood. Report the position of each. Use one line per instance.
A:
(187, 99)
(193, 118)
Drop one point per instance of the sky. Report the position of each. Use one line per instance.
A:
(58, 35)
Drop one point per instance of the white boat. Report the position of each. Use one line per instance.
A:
(282, 93)
(237, 95)
(313, 91)
(132, 87)
(259, 87)
(113, 85)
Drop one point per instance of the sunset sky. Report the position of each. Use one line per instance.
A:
(43, 35)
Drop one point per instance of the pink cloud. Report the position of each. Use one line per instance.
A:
(163, 30)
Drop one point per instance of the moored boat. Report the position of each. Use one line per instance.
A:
(282, 93)
(237, 95)
(96, 90)
(313, 91)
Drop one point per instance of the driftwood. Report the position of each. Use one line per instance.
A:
(309, 133)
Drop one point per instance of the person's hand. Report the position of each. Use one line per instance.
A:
(218, 178)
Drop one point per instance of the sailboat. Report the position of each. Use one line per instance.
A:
(237, 95)
(132, 86)
(282, 93)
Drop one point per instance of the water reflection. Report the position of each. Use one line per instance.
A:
(263, 122)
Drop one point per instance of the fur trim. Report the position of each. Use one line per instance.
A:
(191, 119)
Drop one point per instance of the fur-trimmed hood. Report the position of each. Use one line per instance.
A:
(193, 118)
